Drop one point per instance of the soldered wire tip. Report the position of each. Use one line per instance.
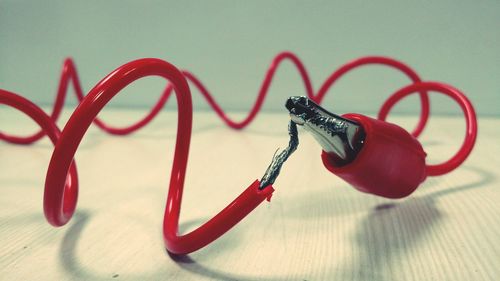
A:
(338, 136)
(279, 159)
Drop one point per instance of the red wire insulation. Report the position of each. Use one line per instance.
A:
(82, 118)
(69, 73)
(61, 194)
(465, 105)
(70, 187)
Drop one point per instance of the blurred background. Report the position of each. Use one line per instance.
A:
(230, 44)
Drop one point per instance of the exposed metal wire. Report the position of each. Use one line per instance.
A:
(336, 134)
(274, 168)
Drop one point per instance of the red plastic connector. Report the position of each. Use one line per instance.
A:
(390, 164)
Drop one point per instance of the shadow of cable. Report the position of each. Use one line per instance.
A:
(390, 231)
(67, 255)
(71, 265)
(386, 234)
(486, 177)
(187, 263)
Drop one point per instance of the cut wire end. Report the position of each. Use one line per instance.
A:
(279, 159)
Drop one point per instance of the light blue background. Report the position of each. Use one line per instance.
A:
(229, 45)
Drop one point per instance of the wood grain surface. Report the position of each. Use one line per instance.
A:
(316, 227)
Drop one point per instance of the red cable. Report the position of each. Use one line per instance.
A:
(69, 72)
(50, 129)
(424, 98)
(61, 195)
(80, 121)
(465, 105)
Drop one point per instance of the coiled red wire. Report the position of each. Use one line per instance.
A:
(61, 191)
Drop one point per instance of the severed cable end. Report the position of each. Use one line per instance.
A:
(336, 135)
(274, 168)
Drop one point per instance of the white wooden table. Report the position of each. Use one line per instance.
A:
(316, 227)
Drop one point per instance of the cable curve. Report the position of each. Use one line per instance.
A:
(69, 73)
(60, 195)
(49, 128)
(467, 108)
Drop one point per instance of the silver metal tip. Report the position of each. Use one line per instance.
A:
(279, 159)
(336, 135)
